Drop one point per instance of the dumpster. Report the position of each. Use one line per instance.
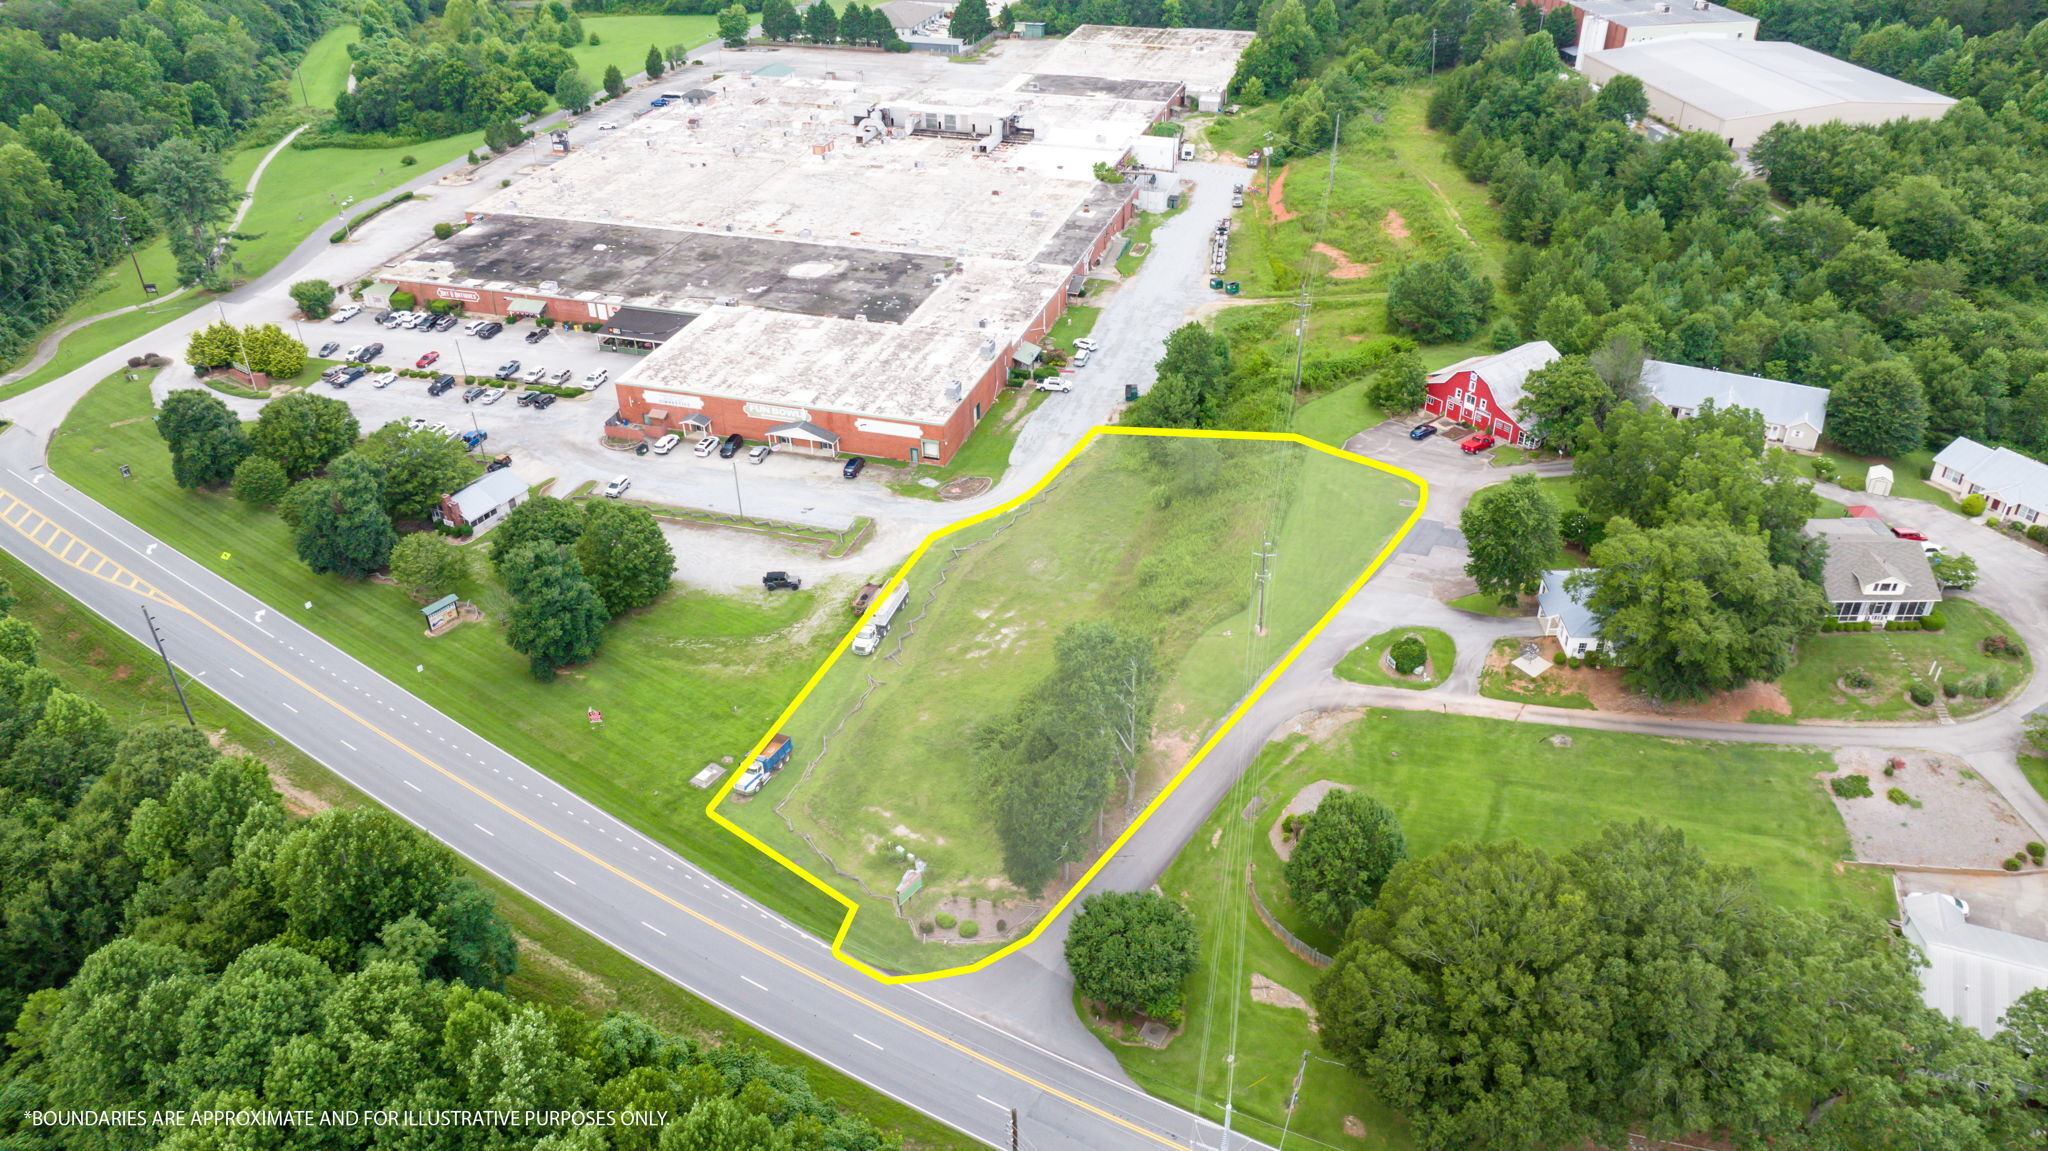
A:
(1130, 393)
(1230, 289)
(1216, 283)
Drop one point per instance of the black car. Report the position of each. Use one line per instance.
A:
(440, 386)
(475, 390)
(500, 462)
(780, 581)
(731, 446)
(328, 349)
(1421, 431)
(489, 330)
(526, 399)
(372, 352)
(543, 401)
(444, 323)
(537, 335)
(382, 316)
(853, 466)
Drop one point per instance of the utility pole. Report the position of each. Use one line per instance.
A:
(737, 502)
(1293, 1099)
(242, 340)
(168, 669)
(121, 222)
(1014, 1143)
(1265, 554)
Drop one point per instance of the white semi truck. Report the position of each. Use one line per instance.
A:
(870, 637)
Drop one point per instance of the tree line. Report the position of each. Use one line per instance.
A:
(171, 938)
(570, 570)
(820, 24)
(476, 65)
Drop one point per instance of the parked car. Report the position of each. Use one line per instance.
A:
(1903, 534)
(657, 103)
(543, 402)
(780, 581)
(501, 462)
(508, 369)
(391, 319)
(421, 320)
(1421, 431)
(345, 377)
(475, 391)
(1084, 344)
(489, 330)
(428, 360)
(853, 467)
(667, 444)
(1080, 359)
(439, 428)
(354, 353)
(597, 378)
(1932, 550)
(1476, 443)
(731, 446)
(535, 374)
(384, 379)
(371, 352)
(617, 487)
(526, 399)
(440, 386)
(474, 326)
(561, 378)
(1054, 384)
(759, 454)
(347, 314)
(472, 439)
(607, 127)
(537, 335)
(444, 323)
(416, 423)
(382, 316)
(493, 395)
(706, 446)
(328, 349)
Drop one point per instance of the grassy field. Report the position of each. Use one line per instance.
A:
(323, 74)
(1366, 663)
(559, 963)
(1120, 525)
(1897, 660)
(986, 452)
(624, 40)
(1337, 415)
(683, 683)
(1480, 603)
(1453, 778)
(1906, 481)
(1074, 323)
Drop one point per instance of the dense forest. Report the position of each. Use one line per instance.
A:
(419, 77)
(172, 939)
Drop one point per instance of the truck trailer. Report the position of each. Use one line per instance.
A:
(870, 637)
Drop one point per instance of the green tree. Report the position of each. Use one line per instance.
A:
(557, 618)
(272, 352)
(343, 527)
(1958, 571)
(614, 81)
(1622, 98)
(1347, 847)
(1492, 22)
(1878, 409)
(1192, 382)
(1565, 400)
(542, 519)
(733, 23)
(315, 298)
(302, 432)
(821, 24)
(1401, 385)
(345, 873)
(654, 65)
(624, 555)
(779, 20)
(233, 1028)
(216, 345)
(18, 640)
(260, 481)
(1511, 537)
(186, 192)
(419, 467)
(205, 438)
(574, 91)
(970, 21)
(1439, 301)
(1132, 951)
(426, 567)
(1696, 608)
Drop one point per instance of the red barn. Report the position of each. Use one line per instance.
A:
(1485, 391)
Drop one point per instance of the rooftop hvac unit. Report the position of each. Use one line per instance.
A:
(550, 285)
(988, 349)
(954, 391)
(860, 317)
(727, 300)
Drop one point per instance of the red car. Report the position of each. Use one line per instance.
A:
(427, 361)
(1906, 535)
(1475, 443)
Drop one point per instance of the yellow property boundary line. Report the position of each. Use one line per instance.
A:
(1229, 721)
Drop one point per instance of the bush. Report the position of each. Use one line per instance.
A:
(407, 161)
(1557, 659)
(1903, 625)
(1898, 796)
(969, 929)
(2012, 865)
(1859, 679)
(1825, 468)
(1850, 483)
(1850, 786)
(2001, 645)
(1408, 654)
(1934, 621)
(2038, 533)
(260, 482)
(1973, 505)
(1593, 658)
(926, 927)
(945, 921)
(1994, 685)
(1951, 688)
(1921, 696)
(443, 230)
(402, 301)
(2038, 850)
(1002, 925)
(1889, 770)
(1573, 663)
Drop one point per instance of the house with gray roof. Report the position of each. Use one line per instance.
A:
(1974, 973)
(1794, 414)
(2014, 486)
(484, 502)
(1562, 612)
(1871, 576)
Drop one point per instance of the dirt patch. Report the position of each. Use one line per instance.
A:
(1266, 991)
(1960, 820)
(1395, 226)
(297, 800)
(1343, 267)
(1604, 688)
(965, 488)
(1275, 202)
(1354, 1127)
(592, 994)
(1304, 801)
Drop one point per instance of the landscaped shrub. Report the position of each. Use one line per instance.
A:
(1994, 685)
(1921, 696)
(2038, 850)
(1593, 659)
(926, 927)
(2038, 533)
(2012, 865)
(944, 920)
(969, 929)
(1573, 663)
(1973, 505)
(443, 230)
(402, 301)
(1934, 621)
(1408, 654)
(1850, 786)
(1898, 795)
(1903, 625)
(1951, 688)
(2002, 645)
(1889, 770)
(407, 161)
(1859, 679)
(1002, 925)
(1557, 659)
(1290, 826)
(1825, 468)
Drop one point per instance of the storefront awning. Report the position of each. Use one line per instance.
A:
(700, 420)
(803, 431)
(1026, 355)
(525, 307)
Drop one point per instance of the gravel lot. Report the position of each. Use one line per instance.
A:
(1960, 821)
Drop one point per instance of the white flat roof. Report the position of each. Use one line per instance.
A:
(1202, 58)
(1737, 79)
(1973, 973)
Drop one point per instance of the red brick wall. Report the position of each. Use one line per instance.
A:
(486, 302)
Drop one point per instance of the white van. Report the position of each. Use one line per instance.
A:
(1187, 150)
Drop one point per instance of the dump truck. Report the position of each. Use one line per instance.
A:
(870, 637)
(765, 765)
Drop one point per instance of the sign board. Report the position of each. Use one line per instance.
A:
(149, 289)
(913, 882)
(440, 612)
(458, 294)
(673, 400)
(888, 428)
(777, 413)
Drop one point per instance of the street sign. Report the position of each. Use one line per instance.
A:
(149, 289)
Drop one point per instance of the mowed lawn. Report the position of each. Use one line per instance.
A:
(1367, 662)
(900, 769)
(624, 40)
(1453, 778)
(688, 681)
(1895, 661)
(323, 73)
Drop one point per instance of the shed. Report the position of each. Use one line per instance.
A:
(1031, 29)
(440, 613)
(1878, 481)
(483, 502)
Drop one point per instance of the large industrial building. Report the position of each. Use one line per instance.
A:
(1738, 89)
(830, 264)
